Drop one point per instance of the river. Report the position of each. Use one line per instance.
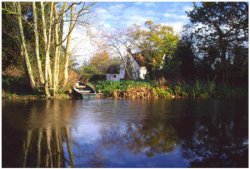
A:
(125, 133)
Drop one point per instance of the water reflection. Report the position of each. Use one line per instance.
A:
(106, 133)
(44, 148)
(42, 130)
(217, 145)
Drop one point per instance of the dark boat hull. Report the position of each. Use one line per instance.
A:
(84, 96)
(88, 96)
(84, 93)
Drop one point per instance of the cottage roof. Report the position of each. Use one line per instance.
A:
(113, 69)
(139, 59)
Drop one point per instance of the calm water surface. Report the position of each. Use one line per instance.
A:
(123, 133)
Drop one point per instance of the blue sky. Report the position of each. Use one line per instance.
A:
(125, 14)
(112, 16)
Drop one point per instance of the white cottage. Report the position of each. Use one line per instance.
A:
(134, 65)
(115, 72)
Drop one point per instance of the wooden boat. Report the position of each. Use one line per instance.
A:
(84, 91)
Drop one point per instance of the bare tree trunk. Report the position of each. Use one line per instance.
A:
(46, 84)
(47, 40)
(40, 71)
(60, 44)
(23, 46)
(62, 21)
(57, 53)
(66, 71)
(51, 19)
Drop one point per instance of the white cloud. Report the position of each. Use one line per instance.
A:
(177, 26)
(103, 14)
(116, 7)
(133, 15)
(175, 16)
(146, 4)
(136, 19)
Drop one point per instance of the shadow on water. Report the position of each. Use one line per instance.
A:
(107, 133)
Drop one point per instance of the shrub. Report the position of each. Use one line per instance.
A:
(161, 92)
(109, 87)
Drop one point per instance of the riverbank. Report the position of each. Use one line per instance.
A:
(29, 97)
(17, 89)
(149, 90)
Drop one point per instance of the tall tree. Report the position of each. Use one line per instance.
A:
(24, 48)
(71, 26)
(222, 25)
(102, 61)
(56, 53)
(39, 65)
(47, 42)
(157, 44)
(32, 28)
(185, 54)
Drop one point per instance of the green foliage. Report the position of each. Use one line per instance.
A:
(162, 93)
(13, 84)
(221, 40)
(89, 69)
(98, 64)
(211, 88)
(231, 92)
(10, 42)
(155, 43)
(199, 89)
(102, 60)
(202, 89)
(108, 87)
(185, 55)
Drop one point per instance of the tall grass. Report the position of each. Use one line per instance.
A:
(199, 89)
(108, 87)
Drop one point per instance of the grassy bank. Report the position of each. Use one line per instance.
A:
(27, 97)
(143, 89)
(126, 89)
(17, 89)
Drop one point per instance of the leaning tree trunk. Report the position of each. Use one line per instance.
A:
(66, 70)
(24, 48)
(40, 71)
